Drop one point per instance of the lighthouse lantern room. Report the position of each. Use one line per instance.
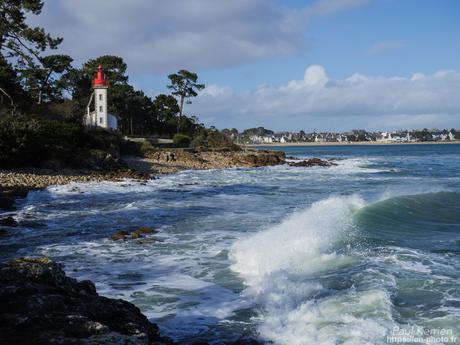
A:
(100, 116)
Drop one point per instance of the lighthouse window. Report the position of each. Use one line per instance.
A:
(100, 120)
(100, 97)
(100, 108)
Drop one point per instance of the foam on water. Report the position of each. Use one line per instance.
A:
(280, 267)
(267, 251)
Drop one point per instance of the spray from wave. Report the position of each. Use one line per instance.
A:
(282, 267)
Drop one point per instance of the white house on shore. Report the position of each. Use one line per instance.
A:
(99, 117)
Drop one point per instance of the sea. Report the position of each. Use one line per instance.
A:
(364, 252)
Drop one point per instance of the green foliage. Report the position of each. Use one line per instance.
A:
(22, 45)
(212, 139)
(184, 85)
(259, 131)
(114, 69)
(43, 81)
(181, 140)
(423, 135)
(36, 83)
(17, 39)
(31, 142)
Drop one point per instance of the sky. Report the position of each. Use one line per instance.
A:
(284, 65)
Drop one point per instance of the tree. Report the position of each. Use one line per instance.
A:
(166, 107)
(44, 83)
(184, 85)
(114, 69)
(20, 43)
(10, 81)
(166, 110)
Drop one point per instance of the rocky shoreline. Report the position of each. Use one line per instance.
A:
(41, 305)
(15, 183)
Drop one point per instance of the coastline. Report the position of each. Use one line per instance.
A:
(16, 183)
(357, 143)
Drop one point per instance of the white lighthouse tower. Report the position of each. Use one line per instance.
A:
(100, 117)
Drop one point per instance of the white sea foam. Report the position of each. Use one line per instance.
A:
(279, 266)
(302, 237)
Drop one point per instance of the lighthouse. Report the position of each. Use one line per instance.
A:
(100, 116)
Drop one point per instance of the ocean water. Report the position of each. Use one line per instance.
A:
(351, 254)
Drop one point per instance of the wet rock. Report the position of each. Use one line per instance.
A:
(136, 234)
(248, 341)
(308, 163)
(146, 230)
(41, 305)
(6, 202)
(8, 221)
(119, 235)
(8, 195)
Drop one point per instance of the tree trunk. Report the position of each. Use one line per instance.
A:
(13, 107)
(181, 108)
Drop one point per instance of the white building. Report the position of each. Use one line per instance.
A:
(100, 116)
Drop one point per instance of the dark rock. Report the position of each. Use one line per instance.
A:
(138, 233)
(8, 221)
(6, 202)
(146, 230)
(8, 196)
(119, 235)
(311, 163)
(248, 341)
(41, 305)
(259, 158)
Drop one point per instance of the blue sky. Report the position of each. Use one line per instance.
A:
(378, 64)
(414, 36)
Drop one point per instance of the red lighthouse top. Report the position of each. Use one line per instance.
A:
(99, 78)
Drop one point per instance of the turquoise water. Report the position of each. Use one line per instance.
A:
(350, 254)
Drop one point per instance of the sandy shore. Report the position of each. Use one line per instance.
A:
(358, 143)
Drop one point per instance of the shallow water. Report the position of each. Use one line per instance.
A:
(339, 255)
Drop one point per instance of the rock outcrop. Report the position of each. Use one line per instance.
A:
(178, 159)
(312, 162)
(41, 305)
(9, 194)
(138, 233)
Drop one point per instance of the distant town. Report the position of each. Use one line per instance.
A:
(261, 135)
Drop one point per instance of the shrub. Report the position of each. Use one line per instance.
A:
(181, 140)
(214, 140)
(26, 141)
(31, 142)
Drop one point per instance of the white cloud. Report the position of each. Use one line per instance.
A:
(317, 101)
(162, 35)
